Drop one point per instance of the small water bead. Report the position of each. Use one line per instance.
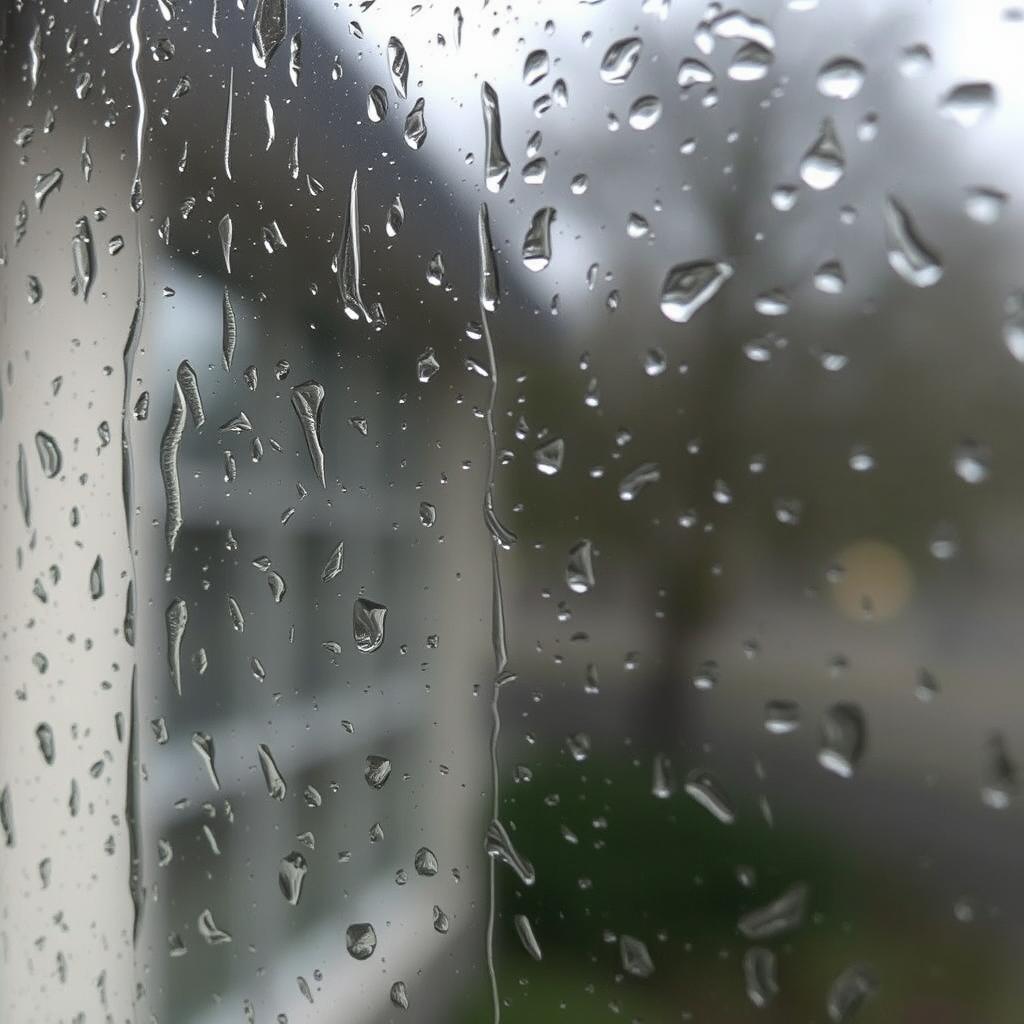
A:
(851, 989)
(636, 226)
(843, 739)
(971, 462)
(781, 717)
(784, 197)
(644, 113)
(841, 78)
(969, 103)
(635, 957)
(693, 72)
(548, 457)
(377, 104)
(829, 278)
(425, 862)
(579, 184)
(914, 61)
(985, 205)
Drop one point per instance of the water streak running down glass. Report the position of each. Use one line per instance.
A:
(510, 512)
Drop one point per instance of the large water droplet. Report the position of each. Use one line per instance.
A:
(398, 65)
(368, 624)
(908, 254)
(690, 286)
(537, 243)
(823, 164)
(290, 875)
(496, 165)
(843, 737)
(619, 60)
(307, 401)
(276, 785)
(360, 940)
(269, 25)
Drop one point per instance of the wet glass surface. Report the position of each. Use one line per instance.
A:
(509, 512)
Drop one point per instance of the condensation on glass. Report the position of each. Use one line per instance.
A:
(510, 511)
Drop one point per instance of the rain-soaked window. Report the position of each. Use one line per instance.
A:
(511, 511)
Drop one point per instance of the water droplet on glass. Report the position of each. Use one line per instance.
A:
(781, 915)
(841, 79)
(663, 783)
(81, 258)
(415, 131)
(44, 736)
(176, 620)
(290, 875)
(360, 941)
(368, 624)
(269, 26)
(334, 564)
(496, 165)
(843, 738)
(399, 996)
(850, 991)
(377, 104)
(984, 205)
(636, 960)
(690, 286)
(579, 573)
(377, 771)
(751, 63)
(498, 845)
(398, 65)
(908, 255)
(45, 184)
(307, 401)
(537, 243)
(644, 113)
(209, 931)
(348, 269)
(526, 936)
(707, 792)
(967, 104)
(823, 164)
(276, 785)
(971, 462)
(202, 743)
(620, 59)
(548, 457)
(760, 976)
(535, 67)
(48, 450)
(634, 482)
